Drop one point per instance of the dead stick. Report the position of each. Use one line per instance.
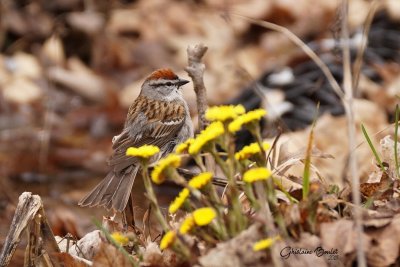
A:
(29, 207)
(195, 69)
(26, 210)
(49, 240)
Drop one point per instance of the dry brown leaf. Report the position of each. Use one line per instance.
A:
(79, 79)
(335, 143)
(377, 222)
(111, 225)
(236, 252)
(124, 20)
(86, 247)
(53, 50)
(64, 221)
(109, 256)
(152, 255)
(24, 65)
(69, 261)
(21, 91)
(129, 92)
(341, 235)
(88, 22)
(384, 248)
(393, 8)
(306, 241)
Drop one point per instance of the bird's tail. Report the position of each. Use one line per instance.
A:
(113, 192)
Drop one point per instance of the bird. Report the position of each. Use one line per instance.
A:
(159, 116)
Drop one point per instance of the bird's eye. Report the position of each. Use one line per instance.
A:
(168, 83)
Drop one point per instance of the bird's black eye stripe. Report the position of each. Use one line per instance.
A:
(162, 84)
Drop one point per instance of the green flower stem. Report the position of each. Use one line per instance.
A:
(218, 205)
(236, 220)
(182, 249)
(215, 199)
(255, 131)
(280, 186)
(188, 206)
(205, 236)
(233, 192)
(178, 246)
(220, 161)
(116, 244)
(272, 200)
(199, 162)
(248, 189)
(152, 197)
(197, 194)
(270, 188)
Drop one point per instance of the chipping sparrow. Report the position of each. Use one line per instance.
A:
(159, 116)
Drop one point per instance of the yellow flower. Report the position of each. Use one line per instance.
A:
(213, 131)
(223, 113)
(250, 150)
(256, 174)
(187, 225)
(120, 238)
(265, 243)
(254, 115)
(204, 216)
(179, 200)
(145, 151)
(200, 180)
(172, 160)
(182, 147)
(168, 239)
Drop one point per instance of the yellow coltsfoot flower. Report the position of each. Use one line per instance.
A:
(183, 147)
(145, 151)
(256, 174)
(178, 201)
(254, 115)
(200, 180)
(265, 243)
(250, 150)
(158, 174)
(120, 238)
(223, 113)
(204, 216)
(213, 131)
(187, 225)
(168, 239)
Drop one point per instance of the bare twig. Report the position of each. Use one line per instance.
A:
(195, 69)
(348, 104)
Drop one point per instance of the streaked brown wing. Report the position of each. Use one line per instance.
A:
(150, 127)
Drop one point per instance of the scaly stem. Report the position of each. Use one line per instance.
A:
(236, 220)
(221, 230)
(199, 162)
(271, 204)
(152, 197)
(178, 246)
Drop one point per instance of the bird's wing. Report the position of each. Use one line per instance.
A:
(154, 123)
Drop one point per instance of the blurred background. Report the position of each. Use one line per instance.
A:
(69, 69)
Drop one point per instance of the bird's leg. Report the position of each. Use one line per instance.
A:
(128, 218)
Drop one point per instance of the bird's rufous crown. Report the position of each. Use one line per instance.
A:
(166, 74)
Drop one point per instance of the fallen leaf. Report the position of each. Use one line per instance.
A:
(21, 91)
(109, 256)
(69, 261)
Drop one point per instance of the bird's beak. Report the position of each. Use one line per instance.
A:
(182, 82)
